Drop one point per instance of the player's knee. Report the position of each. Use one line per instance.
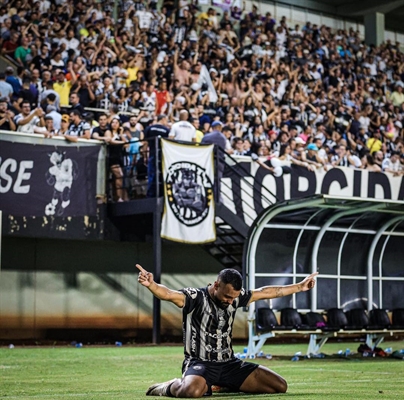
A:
(282, 386)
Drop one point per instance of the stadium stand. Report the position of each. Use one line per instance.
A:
(306, 95)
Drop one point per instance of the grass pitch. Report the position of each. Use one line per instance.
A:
(126, 372)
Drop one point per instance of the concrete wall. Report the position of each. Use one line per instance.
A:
(55, 284)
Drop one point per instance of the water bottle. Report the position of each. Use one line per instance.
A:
(295, 358)
(243, 356)
(118, 344)
(365, 354)
(245, 350)
(347, 352)
(389, 350)
(268, 356)
(340, 353)
(299, 353)
(260, 354)
(79, 345)
(11, 346)
(237, 355)
(251, 356)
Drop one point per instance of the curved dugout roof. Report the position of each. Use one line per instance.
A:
(356, 244)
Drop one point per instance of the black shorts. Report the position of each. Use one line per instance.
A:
(230, 374)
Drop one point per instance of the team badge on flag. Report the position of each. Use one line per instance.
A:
(189, 208)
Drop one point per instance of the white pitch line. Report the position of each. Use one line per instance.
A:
(336, 370)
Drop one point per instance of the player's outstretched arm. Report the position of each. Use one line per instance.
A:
(162, 292)
(272, 292)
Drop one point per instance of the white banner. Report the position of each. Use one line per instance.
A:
(339, 181)
(189, 207)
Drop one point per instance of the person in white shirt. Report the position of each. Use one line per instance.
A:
(70, 41)
(183, 130)
(30, 121)
(393, 164)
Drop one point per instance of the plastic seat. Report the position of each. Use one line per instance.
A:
(265, 320)
(398, 318)
(291, 319)
(337, 319)
(357, 319)
(316, 320)
(379, 319)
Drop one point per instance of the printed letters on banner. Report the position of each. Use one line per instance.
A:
(189, 210)
(42, 180)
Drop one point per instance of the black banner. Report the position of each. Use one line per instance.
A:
(54, 181)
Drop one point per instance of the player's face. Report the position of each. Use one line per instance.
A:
(224, 294)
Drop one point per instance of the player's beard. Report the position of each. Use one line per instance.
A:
(221, 304)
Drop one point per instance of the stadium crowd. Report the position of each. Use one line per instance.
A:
(305, 95)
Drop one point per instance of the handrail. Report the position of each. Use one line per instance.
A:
(42, 136)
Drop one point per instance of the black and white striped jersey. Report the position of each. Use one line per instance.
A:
(207, 329)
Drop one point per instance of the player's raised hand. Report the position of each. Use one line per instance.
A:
(308, 282)
(145, 278)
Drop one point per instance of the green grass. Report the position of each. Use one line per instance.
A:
(126, 372)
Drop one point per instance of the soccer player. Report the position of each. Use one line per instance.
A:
(208, 316)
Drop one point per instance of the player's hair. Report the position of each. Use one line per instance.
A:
(231, 276)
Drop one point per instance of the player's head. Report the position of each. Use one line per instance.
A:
(232, 277)
(227, 287)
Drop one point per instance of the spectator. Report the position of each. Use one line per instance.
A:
(62, 87)
(78, 128)
(397, 97)
(158, 129)
(6, 90)
(217, 138)
(75, 103)
(6, 116)
(370, 165)
(312, 156)
(22, 52)
(374, 144)
(84, 92)
(27, 92)
(183, 130)
(51, 112)
(49, 97)
(198, 133)
(64, 128)
(116, 142)
(15, 82)
(49, 126)
(100, 132)
(393, 164)
(10, 46)
(29, 121)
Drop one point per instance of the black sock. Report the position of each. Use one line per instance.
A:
(168, 391)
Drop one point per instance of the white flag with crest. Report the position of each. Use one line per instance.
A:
(189, 207)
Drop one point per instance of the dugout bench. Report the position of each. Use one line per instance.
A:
(320, 327)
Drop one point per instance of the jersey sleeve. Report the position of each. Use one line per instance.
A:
(192, 298)
(244, 298)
